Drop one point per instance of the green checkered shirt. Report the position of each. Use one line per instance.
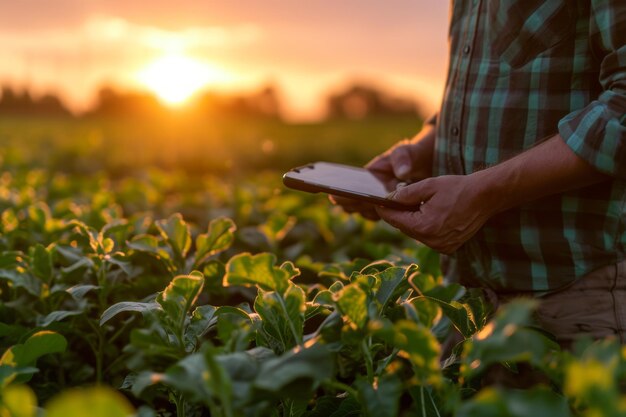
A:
(521, 71)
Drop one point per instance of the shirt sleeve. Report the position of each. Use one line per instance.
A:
(597, 133)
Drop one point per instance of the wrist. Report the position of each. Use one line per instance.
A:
(490, 191)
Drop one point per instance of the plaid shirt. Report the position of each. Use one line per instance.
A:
(521, 71)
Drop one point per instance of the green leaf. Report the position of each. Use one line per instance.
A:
(117, 230)
(115, 309)
(242, 368)
(41, 343)
(297, 373)
(93, 402)
(352, 301)
(350, 407)
(423, 310)
(234, 328)
(424, 404)
(428, 261)
(180, 295)
(390, 281)
(39, 214)
(176, 233)
(248, 270)
(507, 338)
(24, 356)
(20, 375)
(18, 401)
(283, 316)
(459, 314)
(417, 344)
(55, 316)
(422, 283)
(324, 298)
(190, 376)
(219, 237)
(537, 401)
(146, 243)
(382, 399)
(277, 226)
(78, 292)
(9, 221)
(199, 376)
(42, 263)
(202, 319)
(22, 280)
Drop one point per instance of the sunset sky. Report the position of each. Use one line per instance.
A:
(306, 49)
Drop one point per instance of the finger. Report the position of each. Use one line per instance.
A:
(381, 163)
(401, 162)
(345, 202)
(414, 194)
(370, 215)
(350, 205)
(406, 221)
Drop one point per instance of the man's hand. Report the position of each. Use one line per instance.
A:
(455, 207)
(451, 210)
(407, 161)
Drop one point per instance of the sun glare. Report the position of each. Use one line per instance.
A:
(175, 78)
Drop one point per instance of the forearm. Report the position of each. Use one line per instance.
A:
(548, 168)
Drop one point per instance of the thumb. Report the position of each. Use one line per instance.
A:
(401, 162)
(414, 194)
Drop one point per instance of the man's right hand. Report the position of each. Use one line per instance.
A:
(407, 161)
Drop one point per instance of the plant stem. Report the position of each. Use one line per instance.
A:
(98, 351)
(122, 329)
(422, 401)
(432, 401)
(342, 387)
(296, 337)
(179, 401)
(369, 363)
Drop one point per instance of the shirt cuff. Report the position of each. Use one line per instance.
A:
(597, 133)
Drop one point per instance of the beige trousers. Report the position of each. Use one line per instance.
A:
(595, 305)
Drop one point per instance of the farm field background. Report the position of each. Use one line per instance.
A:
(159, 268)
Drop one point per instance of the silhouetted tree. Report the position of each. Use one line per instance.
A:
(21, 103)
(113, 103)
(262, 104)
(360, 101)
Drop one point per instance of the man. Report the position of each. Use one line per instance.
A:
(521, 177)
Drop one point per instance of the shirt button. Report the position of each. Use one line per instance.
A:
(467, 49)
(455, 131)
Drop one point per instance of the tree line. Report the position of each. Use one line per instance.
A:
(354, 102)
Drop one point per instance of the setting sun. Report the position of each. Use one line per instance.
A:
(175, 78)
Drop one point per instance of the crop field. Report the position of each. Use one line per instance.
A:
(162, 270)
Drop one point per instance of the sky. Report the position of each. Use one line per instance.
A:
(306, 49)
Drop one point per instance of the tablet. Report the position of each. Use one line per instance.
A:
(345, 181)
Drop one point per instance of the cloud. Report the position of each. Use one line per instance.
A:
(99, 32)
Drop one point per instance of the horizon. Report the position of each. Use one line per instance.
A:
(307, 52)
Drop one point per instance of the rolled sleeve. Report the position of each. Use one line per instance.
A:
(597, 132)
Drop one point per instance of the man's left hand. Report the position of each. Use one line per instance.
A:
(451, 209)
